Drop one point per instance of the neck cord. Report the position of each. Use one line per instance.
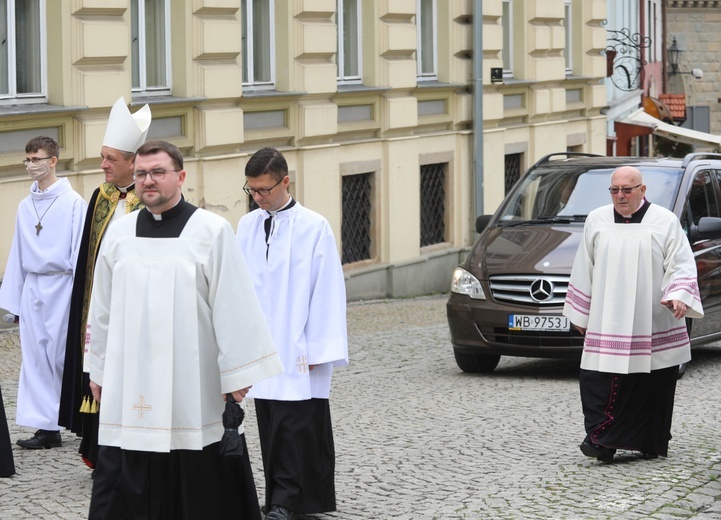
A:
(39, 226)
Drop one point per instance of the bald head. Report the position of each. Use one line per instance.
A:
(628, 174)
(630, 179)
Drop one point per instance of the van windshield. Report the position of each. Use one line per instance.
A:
(564, 192)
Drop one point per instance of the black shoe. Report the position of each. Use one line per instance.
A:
(279, 513)
(42, 439)
(602, 453)
(647, 455)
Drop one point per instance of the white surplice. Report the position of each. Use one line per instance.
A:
(302, 292)
(620, 275)
(37, 285)
(174, 322)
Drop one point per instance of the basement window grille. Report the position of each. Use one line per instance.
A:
(513, 169)
(433, 207)
(356, 221)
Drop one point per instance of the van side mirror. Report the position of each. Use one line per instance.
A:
(708, 228)
(481, 222)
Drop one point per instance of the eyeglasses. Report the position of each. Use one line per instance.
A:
(626, 191)
(263, 192)
(156, 174)
(34, 160)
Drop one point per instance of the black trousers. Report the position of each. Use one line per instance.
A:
(629, 411)
(7, 463)
(180, 485)
(296, 438)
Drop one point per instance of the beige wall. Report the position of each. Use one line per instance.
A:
(88, 51)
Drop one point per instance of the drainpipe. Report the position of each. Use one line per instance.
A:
(664, 47)
(478, 107)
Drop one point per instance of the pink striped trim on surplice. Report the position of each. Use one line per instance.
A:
(621, 345)
(688, 285)
(578, 300)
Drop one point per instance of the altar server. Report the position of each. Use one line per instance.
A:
(296, 269)
(37, 285)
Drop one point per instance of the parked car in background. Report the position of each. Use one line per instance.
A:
(507, 296)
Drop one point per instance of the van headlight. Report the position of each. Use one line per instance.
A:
(464, 282)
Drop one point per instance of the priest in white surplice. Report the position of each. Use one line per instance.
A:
(37, 285)
(174, 325)
(293, 257)
(633, 282)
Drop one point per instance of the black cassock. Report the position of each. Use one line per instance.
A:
(7, 464)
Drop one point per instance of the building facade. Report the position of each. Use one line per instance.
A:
(371, 102)
(552, 91)
(695, 26)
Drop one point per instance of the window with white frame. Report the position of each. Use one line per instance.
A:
(568, 25)
(258, 43)
(507, 51)
(348, 16)
(426, 55)
(22, 51)
(150, 46)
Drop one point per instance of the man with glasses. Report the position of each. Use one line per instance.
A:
(113, 199)
(293, 258)
(175, 326)
(37, 285)
(632, 285)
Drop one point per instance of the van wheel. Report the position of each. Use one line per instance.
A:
(476, 363)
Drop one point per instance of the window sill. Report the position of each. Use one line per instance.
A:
(514, 82)
(38, 108)
(351, 89)
(165, 100)
(571, 77)
(270, 93)
(428, 84)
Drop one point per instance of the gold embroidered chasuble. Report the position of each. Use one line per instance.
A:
(103, 209)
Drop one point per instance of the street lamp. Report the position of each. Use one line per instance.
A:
(674, 54)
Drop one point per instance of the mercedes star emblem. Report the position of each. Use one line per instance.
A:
(541, 290)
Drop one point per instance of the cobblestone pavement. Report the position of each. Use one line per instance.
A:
(417, 438)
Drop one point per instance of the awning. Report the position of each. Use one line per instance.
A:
(675, 133)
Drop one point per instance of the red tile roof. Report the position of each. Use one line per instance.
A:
(676, 104)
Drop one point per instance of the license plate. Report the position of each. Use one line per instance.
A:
(539, 323)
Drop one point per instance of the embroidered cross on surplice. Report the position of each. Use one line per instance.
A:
(141, 407)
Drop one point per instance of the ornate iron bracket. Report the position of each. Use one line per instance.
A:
(624, 64)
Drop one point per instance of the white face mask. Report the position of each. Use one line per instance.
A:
(38, 171)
